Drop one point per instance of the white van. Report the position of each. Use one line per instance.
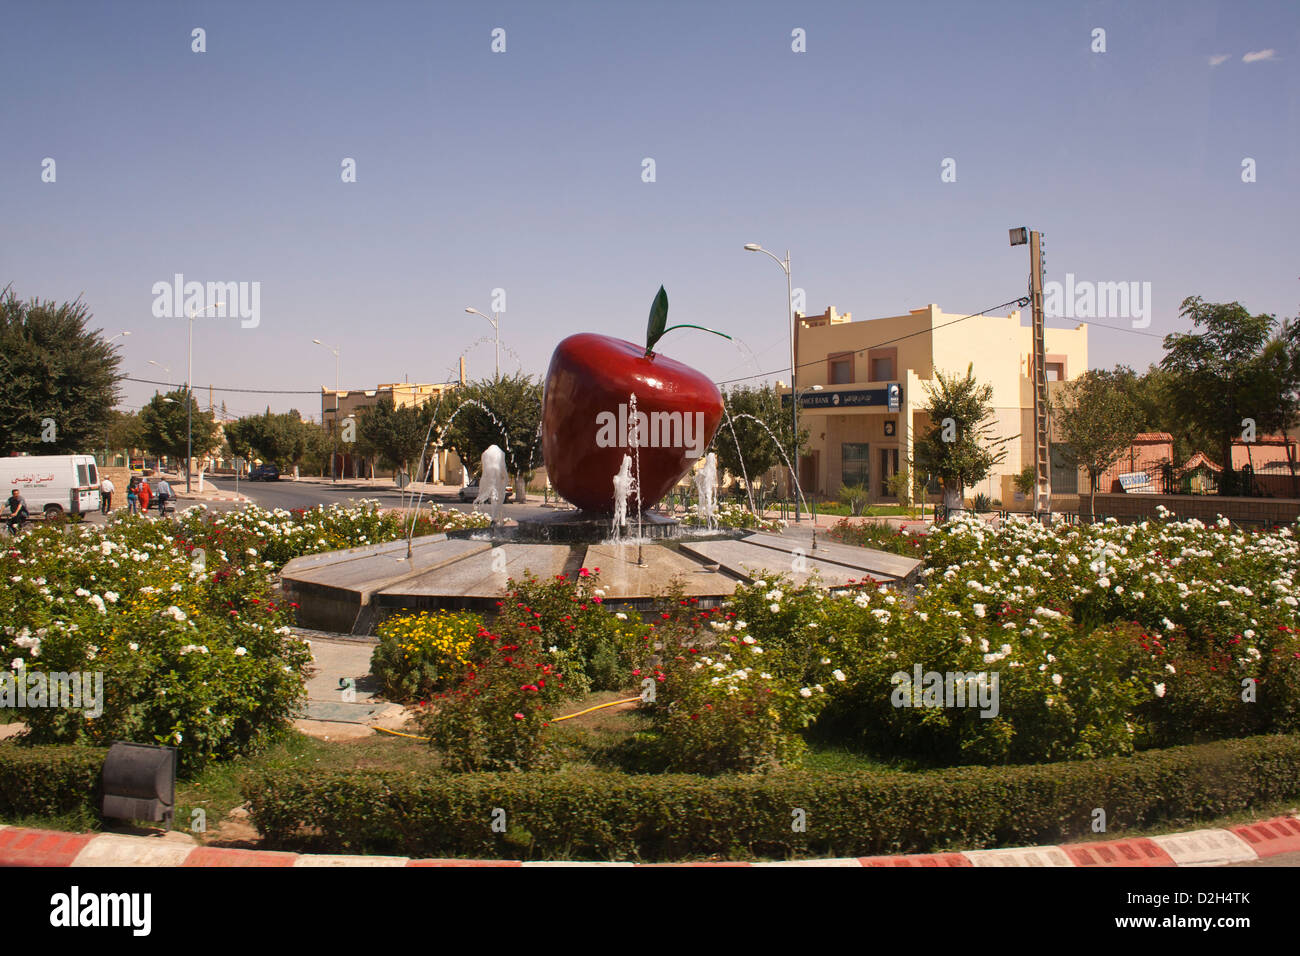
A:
(52, 484)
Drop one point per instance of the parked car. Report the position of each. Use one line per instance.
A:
(53, 484)
(264, 473)
(470, 492)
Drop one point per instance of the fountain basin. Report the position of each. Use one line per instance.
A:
(352, 591)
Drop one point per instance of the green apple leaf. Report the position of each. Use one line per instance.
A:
(658, 320)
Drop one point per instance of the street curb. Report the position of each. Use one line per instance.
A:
(20, 846)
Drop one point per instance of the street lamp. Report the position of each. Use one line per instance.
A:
(189, 390)
(495, 319)
(118, 336)
(334, 454)
(794, 402)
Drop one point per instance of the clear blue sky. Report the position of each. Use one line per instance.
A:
(522, 170)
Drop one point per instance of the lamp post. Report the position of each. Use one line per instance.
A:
(334, 431)
(789, 293)
(118, 336)
(189, 390)
(495, 319)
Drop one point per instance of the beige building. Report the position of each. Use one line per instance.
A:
(861, 388)
(338, 406)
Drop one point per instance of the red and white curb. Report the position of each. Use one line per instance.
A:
(20, 846)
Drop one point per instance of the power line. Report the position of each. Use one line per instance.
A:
(1021, 301)
(261, 391)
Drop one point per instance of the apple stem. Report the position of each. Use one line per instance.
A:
(650, 348)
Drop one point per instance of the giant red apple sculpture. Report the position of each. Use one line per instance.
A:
(588, 423)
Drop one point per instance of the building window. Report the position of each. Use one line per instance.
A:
(841, 370)
(1055, 371)
(882, 369)
(1065, 477)
(888, 468)
(855, 463)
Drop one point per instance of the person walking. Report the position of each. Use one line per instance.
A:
(133, 496)
(106, 490)
(145, 494)
(164, 495)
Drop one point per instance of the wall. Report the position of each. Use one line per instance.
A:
(1207, 508)
(120, 477)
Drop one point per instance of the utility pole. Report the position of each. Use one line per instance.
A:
(1042, 455)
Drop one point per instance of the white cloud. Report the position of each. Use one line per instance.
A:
(1258, 55)
(1220, 58)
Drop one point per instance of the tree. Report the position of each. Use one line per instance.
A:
(1230, 372)
(398, 434)
(961, 445)
(164, 427)
(743, 405)
(279, 437)
(58, 380)
(514, 424)
(124, 431)
(1096, 421)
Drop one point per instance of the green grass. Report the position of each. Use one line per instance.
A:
(871, 511)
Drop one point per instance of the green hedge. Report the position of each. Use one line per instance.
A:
(49, 780)
(667, 817)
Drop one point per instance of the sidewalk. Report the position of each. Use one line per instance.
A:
(1246, 843)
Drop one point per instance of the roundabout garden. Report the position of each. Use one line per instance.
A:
(1033, 675)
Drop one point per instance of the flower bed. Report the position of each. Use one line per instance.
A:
(172, 626)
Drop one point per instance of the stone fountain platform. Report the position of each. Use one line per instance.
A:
(351, 591)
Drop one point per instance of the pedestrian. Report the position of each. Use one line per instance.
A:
(164, 495)
(133, 496)
(145, 494)
(106, 490)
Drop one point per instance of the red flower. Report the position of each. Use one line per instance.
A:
(518, 716)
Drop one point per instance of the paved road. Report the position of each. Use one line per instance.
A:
(308, 494)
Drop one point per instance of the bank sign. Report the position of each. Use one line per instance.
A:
(890, 397)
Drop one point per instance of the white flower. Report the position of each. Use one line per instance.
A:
(1160, 690)
(621, 616)
(1170, 668)
(826, 660)
(240, 651)
(804, 692)
(740, 625)
(175, 612)
(838, 675)
(774, 608)
(1056, 679)
(111, 597)
(747, 639)
(17, 663)
(134, 646)
(979, 610)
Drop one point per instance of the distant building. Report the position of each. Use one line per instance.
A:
(337, 406)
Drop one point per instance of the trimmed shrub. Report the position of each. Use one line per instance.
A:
(671, 817)
(49, 780)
